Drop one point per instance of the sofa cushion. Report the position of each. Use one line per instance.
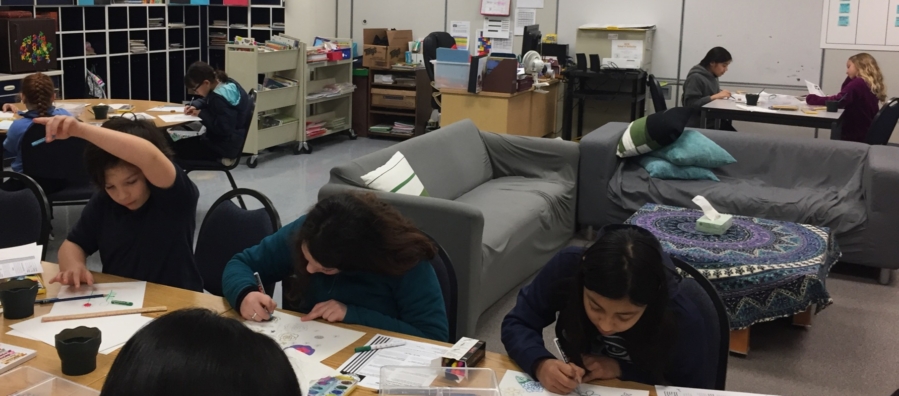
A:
(653, 132)
(395, 176)
(449, 161)
(661, 169)
(692, 148)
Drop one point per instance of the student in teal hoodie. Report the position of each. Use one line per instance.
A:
(351, 259)
(223, 109)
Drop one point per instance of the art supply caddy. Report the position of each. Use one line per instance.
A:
(31, 381)
(434, 381)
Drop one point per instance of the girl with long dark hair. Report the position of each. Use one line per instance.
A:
(352, 259)
(619, 316)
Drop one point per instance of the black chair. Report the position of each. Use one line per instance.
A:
(227, 230)
(25, 212)
(655, 90)
(446, 275)
(429, 52)
(217, 166)
(58, 167)
(884, 123)
(706, 298)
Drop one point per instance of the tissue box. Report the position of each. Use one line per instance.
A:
(715, 227)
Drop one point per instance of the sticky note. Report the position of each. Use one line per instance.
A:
(843, 21)
(897, 9)
(897, 21)
(844, 8)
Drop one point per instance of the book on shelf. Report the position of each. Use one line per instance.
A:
(220, 23)
(336, 124)
(284, 39)
(137, 46)
(278, 26)
(401, 128)
(276, 82)
(177, 25)
(239, 25)
(332, 90)
(155, 22)
(381, 128)
(275, 119)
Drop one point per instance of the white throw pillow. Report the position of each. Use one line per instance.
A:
(395, 176)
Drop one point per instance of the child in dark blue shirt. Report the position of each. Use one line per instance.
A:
(38, 94)
(620, 315)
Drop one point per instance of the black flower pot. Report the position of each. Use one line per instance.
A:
(77, 349)
(17, 298)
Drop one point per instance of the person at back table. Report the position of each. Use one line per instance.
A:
(38, 94)
(620, 315)
(701, 85)
(352, 259)
(222, 110)
(143, 218)
(861, 95)
(197, 352)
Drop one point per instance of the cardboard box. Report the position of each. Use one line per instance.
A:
(384, 56)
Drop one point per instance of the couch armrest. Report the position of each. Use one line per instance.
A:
(458, 227)
(598, 163)
(532, 157)
(881, 184)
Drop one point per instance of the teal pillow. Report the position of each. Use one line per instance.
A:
(661, 169)
(694, 149)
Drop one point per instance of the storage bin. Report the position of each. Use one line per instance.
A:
(451, 75)
(396, 98)
(26, 380)
(438, 381)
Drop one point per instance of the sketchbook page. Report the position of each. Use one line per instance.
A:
(168, 108)
(315, 339)
(7, 115)
(672, 391)
(813, 89)
(413, 353)
(132, 292)
(516, 383)
(307, 369)
(179, 118)
(115, 330)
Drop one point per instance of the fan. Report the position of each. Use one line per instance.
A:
(533, 64)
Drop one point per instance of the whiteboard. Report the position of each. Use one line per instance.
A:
(665, 14)
(422, 16)
(871, 25)
(773, 42)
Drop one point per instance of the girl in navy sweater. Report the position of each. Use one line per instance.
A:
(861, 95)
(620, 315)
(223, 110)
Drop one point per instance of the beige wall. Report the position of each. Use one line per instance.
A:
(305, 19)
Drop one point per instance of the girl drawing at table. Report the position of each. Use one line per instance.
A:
(351, 259)
(620, 315)
(142, 219)
(38, 94)
(701, 85)
(196, 352)
(861, 95)
(223, 109)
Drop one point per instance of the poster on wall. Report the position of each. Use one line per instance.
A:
(461, 31)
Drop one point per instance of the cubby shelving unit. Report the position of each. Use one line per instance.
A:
(321, 74)
(249, 66)
(256, 21)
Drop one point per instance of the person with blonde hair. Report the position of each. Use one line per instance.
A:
(861, 96)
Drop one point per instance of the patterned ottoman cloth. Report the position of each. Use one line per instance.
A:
(763, 269)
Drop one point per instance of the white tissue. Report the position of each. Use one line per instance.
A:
(707, 209)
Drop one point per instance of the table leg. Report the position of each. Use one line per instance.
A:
(804, 318)
(739, 342)
(836, 131)
(703, 122)
(580, 117)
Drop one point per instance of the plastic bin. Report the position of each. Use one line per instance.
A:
(30, 381)
(437, 381)
(451, 75)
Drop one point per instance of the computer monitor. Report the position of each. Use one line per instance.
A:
(531, 39)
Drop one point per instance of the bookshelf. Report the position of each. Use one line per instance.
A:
(256, 21)
(408, 102)
(328, 109)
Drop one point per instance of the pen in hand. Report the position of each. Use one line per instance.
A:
(262, 290)
(577, 389)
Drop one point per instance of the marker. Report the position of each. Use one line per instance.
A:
(262, 290)
(56, 299)
(37, 142)
(565, 359)
(366, 348)
(118, 302)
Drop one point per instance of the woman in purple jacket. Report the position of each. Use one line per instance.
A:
(861, 96)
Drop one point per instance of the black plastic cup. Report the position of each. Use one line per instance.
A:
(752, 99)
(17, 298)
(833, 106)
(100, 111)
(77, 349)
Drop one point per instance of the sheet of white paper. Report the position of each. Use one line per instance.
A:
(115, 106)
(5, 125)
(755, 109)
(495, 7)
(20, 260)
(69, 106)
(140, 116)
(307, 369)
(168, 109)
(627, 49)
(531, 3)
(672, 391)
(461, 31)
(496, 27)
(813, 89)
(115, 330)
(132, 292)
(315, 339)
(502, 46)
(368, 364)
(524, 17)
(7, 115)
(179, 118)
(516, 383)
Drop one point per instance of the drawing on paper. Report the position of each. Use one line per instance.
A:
(303, 348)
(529, 385)
(307, 337)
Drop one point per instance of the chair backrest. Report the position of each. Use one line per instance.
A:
(706, 298)
(55, 166)
(884, 123)
(655, 91)
(429, 49)
(25, 212)
(446, 275)
(227, 230)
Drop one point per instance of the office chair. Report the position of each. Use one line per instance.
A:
(25, 212)
(429, 52)
(227, 230)
(884, 123)
(698, 288)
(58, 167)
(217, 166)
(655, 90)
(446, 276)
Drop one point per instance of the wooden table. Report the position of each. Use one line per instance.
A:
(525, 113)
(139, 106)
(728, 110)
(174, 298)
